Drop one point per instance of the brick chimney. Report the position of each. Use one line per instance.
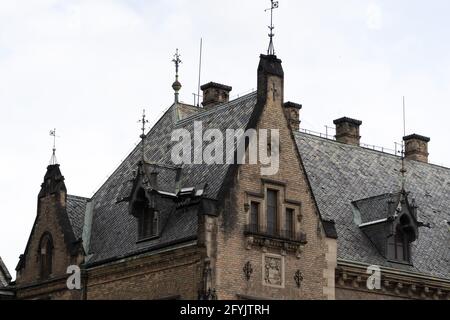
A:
(347, 131)
(416, 148)
(215, 94)
(292, 112)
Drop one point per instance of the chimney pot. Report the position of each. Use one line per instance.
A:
(215, 94)
(292, 112)
(416, 148)
(347, 131)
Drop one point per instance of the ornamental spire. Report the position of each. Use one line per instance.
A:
(176, 85)
(144, 122)
(274, 5)
(53, 160)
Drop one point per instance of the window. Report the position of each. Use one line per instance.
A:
(272, 212)
(148, 224)
(290, 227)
(147, 218)
(398, 247)
(254, 216)
(46, 256)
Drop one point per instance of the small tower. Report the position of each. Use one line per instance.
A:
(176, 85)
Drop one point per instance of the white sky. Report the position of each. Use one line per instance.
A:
(89, 67)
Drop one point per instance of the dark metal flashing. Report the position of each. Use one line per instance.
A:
(293, 105)
(348, 120)
(416, 137)
(216, 85)
(330, 229)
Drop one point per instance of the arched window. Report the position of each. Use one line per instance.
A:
(46, 255)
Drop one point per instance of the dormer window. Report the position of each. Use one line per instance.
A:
(147, 217)
(399, 244)
(398, 248)
(390, 222)
(148, 224)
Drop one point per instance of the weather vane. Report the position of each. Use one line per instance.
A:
(274, 5)
(53, 160)
(144, 122)
(176, 85)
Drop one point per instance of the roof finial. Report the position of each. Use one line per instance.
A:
(144, 122)
(274, 5)
(176, 85)
(53, 160)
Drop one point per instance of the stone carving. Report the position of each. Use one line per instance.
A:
(273, 271)
(298, 278)
(248, 270)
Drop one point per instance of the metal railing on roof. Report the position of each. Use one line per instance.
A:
(397, 151)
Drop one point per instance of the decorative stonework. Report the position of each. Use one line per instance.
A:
(354, 278)
(284, 246)
(273, 270)
(298, 278)
(248, 270)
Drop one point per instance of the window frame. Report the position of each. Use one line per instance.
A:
(399, 239)
(275, 229)
(147, 220)
(46, 259)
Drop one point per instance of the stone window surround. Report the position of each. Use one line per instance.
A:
(283, 204)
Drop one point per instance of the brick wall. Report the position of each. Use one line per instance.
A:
(175, 274)
(29, 277)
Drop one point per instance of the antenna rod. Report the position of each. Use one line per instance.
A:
(199, 72)
(404, 116)
(403, 171)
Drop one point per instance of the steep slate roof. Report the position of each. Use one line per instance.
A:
(341, 174)
(114, 230)
(76, 208)
(5, 277)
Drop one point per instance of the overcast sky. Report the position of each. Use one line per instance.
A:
(88, 68)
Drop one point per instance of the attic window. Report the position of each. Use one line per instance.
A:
(398, 248)
(147, 217)
(147, 224)
(398, 245)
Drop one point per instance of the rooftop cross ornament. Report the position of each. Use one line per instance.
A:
(144, 122)
(176, 85)
(274, 5)
(53, 160)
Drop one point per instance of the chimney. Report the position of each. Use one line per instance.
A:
(215, 94)
(292, 112)
(347, 131)
(416, 148)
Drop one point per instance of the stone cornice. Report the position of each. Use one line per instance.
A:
(398, 283)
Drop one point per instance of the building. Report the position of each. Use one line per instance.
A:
(333, 211)
(6, 290)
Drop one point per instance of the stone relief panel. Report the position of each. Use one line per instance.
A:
(273, 270)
